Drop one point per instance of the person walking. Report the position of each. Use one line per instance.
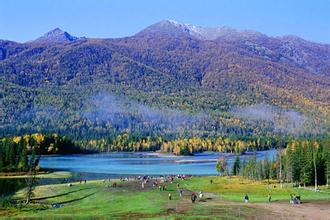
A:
(269, 198)
(169, 196)
(181, 192)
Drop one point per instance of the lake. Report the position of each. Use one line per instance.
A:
(146, 163)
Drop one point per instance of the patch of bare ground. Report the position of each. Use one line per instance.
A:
(315, 210)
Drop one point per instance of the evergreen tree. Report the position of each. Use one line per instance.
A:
(244, 169)
(236, 166)
(272, 170)
(23, 158)
(266, 168)
(259, 170)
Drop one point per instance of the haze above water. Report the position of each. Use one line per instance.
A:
(144, 163)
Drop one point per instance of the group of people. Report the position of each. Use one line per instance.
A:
(293, 198)
(193, 196)
(160, 183)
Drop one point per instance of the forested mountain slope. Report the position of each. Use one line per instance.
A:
(168, 80)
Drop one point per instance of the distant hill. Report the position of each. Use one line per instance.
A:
(50, 84)
(55, 36)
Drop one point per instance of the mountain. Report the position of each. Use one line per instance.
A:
(176, 29)
(50, 84)
(56, 36)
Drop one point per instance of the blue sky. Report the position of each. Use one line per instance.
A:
(22, 20)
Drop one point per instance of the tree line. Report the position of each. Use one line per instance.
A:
(179, 146)
(17, 152)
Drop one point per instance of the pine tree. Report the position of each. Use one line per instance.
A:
(259, 170)
(266, 168)
(251, 166)
(272, 170)
(307, 164)
(244, 169)
(314, 148)
(236, 167)
(23, 159)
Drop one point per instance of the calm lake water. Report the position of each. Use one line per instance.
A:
(116, 164)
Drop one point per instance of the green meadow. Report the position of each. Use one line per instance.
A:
(98, 199)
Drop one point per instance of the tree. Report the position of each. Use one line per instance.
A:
(251, 167)
(306, 160)
(314, 149)
(31, 180)
(279, 156)
(222, 165)
(236, 166)
(23, 159)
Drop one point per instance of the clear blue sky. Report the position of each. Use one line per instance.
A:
(22, 20)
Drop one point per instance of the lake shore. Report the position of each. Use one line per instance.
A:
(41, 174)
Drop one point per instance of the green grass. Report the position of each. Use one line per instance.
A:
(57, 174)
(234, 189)
(96, 199)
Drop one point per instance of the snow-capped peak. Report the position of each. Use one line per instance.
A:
(176, 29)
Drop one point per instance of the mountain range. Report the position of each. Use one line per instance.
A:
(167, 65)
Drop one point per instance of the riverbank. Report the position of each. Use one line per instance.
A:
(222, 198)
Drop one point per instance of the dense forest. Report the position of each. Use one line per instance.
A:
(301, 162)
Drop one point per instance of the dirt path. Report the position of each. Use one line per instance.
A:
(308, 210)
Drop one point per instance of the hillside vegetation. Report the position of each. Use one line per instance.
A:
(165, 81)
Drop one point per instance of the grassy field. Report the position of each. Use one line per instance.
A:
(222, 199)
(234, 189)
(52, 175)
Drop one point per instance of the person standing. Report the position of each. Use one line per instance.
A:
(193, 197)
(181, 192)
(246, 198)
(200, 195)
